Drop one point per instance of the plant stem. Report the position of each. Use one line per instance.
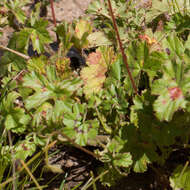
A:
(183, 170)
(21, 169)
(99, 140)
(80, 147)
(121, 47)
(13, 161)
(30, 174)
(53, 13)
(54, 19)
(94, 180)
(6, 182)
(106, 128)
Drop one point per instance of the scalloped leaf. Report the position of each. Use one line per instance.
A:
(78, 129)
(169, 101)
(49, 87)
(82, 27)
(15, 118)
(94, 75)
(174, 85)
(123, 160)
(82, 30)
(98, 39)
(24, 149)
(141, 164)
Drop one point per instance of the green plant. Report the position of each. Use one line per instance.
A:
(131, 99)
(180, 177)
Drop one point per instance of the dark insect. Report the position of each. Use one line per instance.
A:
(77, 60)
(31, 52)
(167, 51)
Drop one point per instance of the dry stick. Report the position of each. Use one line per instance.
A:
(121, 47)
(17, 76)
(75, 144)
(15, 52)
(13, 161)
(53, 12)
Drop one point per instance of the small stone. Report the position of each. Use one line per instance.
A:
(69, 163)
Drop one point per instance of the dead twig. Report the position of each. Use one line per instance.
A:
(15, 52)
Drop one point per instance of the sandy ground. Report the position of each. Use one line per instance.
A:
(69, 9)
(64, 10)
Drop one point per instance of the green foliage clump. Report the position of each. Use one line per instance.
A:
(43, 99)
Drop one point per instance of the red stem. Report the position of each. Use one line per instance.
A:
(53, 12)
(121, 47)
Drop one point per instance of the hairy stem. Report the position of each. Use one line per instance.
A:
(121, 47)
(53, 13)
